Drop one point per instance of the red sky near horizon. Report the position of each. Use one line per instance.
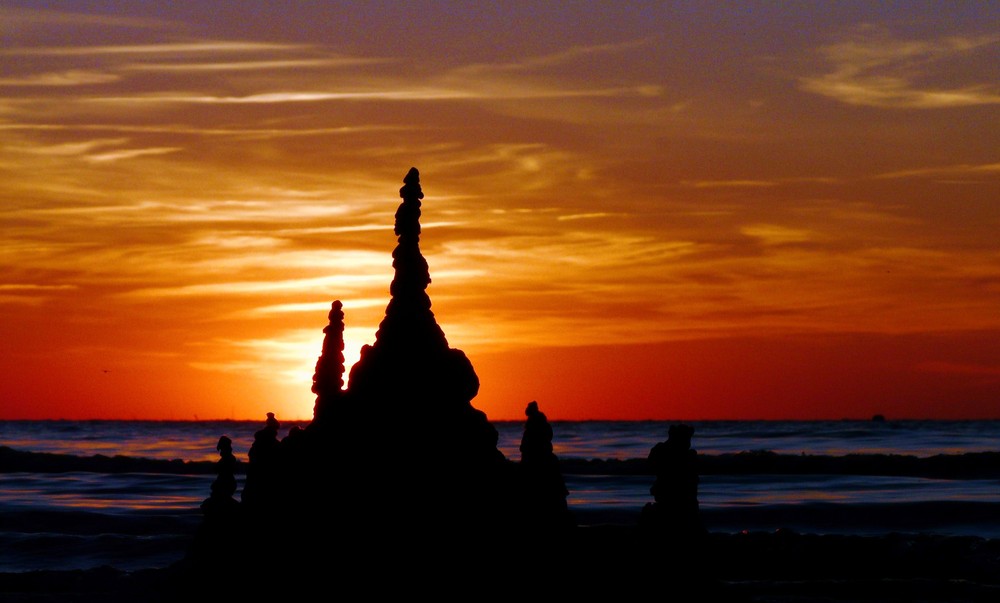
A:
(655, 211)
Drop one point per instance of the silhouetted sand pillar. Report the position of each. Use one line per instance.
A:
(543, 490)
(222, 524)
(408, 318)
(675, 489)
(261, 490)
(224, 485)
(328, 378)
(410, 393)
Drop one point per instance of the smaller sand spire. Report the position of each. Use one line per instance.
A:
(328, 378)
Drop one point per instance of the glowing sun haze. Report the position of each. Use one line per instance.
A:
(653, 210)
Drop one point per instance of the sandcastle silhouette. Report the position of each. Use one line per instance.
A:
(400, 455)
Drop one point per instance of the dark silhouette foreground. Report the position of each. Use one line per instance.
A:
(397, 488)
(544, 492)
(396, 469)
(675, 514)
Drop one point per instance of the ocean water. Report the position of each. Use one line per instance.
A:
(76, 520)
(195, 440)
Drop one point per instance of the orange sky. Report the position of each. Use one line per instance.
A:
(688, 210)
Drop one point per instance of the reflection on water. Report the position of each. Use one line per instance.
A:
(105, 492)
(807, 503)
(189, 440)
(727, 490)
(164, 492)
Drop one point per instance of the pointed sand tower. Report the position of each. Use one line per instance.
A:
(408, 437)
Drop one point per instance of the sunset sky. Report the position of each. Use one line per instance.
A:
(670, 210)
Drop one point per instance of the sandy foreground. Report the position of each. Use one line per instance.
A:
(617, 561)
(607, 557)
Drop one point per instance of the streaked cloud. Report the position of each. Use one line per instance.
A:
(34, 287)
(947, 170)
(252, 65)
(29, 294)
(288, 97)
(215, 211)
(179, 48)
(723, 184)
(73, 77)
(30, 17)
(346, 281)
(259, 133)
(320, 307)
(416, 94)
(874, 68)
(589, 216)
(560, 58)
(729, 183)
(774, 234)
(66, 149)
(131, 153)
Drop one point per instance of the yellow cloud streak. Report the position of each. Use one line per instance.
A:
(73, 77)
(948, 170)
(250, 65)
(208, 47)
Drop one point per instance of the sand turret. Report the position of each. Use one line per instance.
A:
(410, 369)
(328, 378)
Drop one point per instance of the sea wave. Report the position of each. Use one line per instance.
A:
(954, 466)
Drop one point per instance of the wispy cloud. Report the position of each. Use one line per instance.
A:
(180, 129)
(95, 150)
(345, 282)
(29, 294)
(72, 77)
(748, 183)
(130, 154)
(34, 287)
(774, 234)
(25, 17)
(207, 47)
(948, 170)
(286, 97)
(68, 149)
(728, 183)
(873, 68)
(252, 65)
(415, 94)
(213, 211)
(319, 307)
(588, 216)
(558, 58)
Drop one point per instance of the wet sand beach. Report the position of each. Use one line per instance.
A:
(607, 553)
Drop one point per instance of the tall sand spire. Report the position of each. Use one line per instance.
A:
(408, 320)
